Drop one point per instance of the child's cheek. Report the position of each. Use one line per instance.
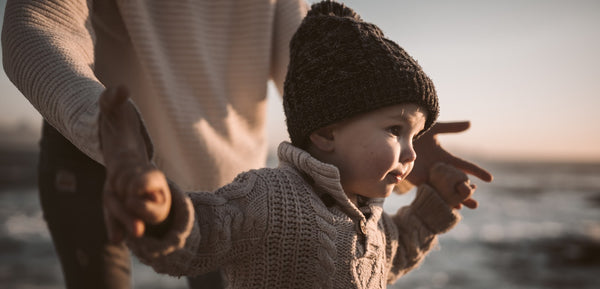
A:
(383, 161)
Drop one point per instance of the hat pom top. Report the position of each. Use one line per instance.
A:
(330, 8)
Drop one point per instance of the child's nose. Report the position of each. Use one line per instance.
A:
(408, 154)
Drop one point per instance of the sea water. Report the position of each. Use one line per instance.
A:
(537, 226)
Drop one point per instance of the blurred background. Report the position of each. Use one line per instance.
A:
(525, 73)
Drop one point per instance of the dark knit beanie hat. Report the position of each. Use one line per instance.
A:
(341, 66)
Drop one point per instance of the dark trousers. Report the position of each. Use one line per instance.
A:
(70, 186)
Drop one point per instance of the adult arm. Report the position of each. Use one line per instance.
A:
(288, 15)
(48, 53)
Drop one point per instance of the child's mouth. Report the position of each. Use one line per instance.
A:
(396, 177)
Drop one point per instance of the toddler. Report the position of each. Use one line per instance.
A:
(354, 103)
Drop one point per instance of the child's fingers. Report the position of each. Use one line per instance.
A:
(465, 189)
(449, 182)
(464, 192)
(444, 178)
(152, 200)
(453, 185)
(149, 212)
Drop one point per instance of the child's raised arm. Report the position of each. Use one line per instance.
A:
(135, 192)
(431, 213)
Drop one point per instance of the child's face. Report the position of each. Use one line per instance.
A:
(374, 151)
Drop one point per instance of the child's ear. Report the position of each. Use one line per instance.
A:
(322, 138)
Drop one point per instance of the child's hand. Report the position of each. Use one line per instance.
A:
(453, 185)
(133, 197)
(135, 192)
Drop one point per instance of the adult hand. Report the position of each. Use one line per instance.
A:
(135, 192)
(430, 151)
(119, 129)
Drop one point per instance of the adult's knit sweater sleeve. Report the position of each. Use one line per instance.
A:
(211, 231)
(418, 226)
(48, 53)
(288, 15)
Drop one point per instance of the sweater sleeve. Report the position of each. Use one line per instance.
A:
(288, 15)
(208, 230)
(48, 53)
(417, 226)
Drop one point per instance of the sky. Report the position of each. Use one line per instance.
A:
(526, 73)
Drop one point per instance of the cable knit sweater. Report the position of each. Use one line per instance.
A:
(293, 227)
(197, 71)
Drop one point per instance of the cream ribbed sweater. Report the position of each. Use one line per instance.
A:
(293, 227)
(197, 70)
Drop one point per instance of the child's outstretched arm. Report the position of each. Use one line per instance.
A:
(176, 233)
(432, 212)
(136, 194)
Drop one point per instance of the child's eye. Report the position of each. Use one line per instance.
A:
(395, 130)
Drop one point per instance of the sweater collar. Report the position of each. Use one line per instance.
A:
(325, 179)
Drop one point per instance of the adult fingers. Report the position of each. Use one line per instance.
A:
(120, 129)
(470, 203)
(464, 165)
(471, 168)
(125, 178)
(114, 230)
(117, 214)
(111, 98)
(450, 127)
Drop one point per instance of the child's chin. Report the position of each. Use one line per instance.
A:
(388, 192)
